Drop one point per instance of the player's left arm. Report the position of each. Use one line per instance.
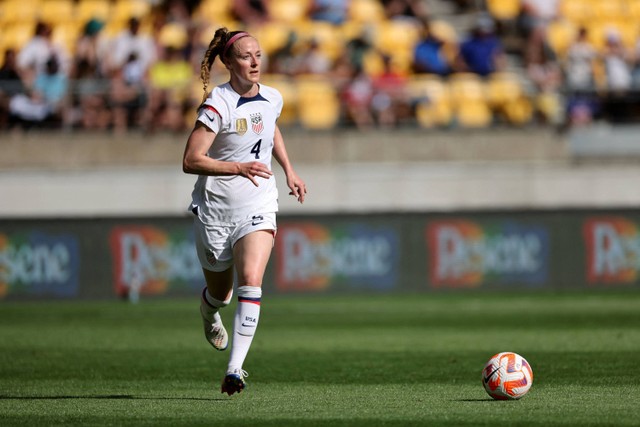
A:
(295, 184)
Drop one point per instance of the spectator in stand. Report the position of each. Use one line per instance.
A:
(285, 60)
(130, 43)
(481, 53)
(579, 63)
(33, 57)
(617, 63)
(169, 86)
(390, 102)
(91, 49)
(10, 86)
(357, 95)
(545, 72)
(414, 10)
(579, 79)
(617, 60)
(312, 60)
(44, 104)
(128, 94)
(428, 55)
(332, 11)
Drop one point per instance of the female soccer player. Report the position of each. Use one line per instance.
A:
(235, 198)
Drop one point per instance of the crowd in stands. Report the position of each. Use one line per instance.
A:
(135, 64)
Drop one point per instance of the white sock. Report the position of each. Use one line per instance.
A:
(245, 324)
(209, 306)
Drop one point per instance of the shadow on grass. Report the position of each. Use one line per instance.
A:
(111, 397)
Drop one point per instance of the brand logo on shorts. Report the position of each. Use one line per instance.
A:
(257, 219)
(256, 123)
(241, 126)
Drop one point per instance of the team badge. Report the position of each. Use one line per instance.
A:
(256, 123)
(241, 126)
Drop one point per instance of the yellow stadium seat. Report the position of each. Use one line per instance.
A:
(66, 34)
(577, 11)
(93, 9)
(272, 36)
(560, 35)
(287, 89)
(19, 11)
(16, 35)
(396, 35)
(216, 11)
(470, 103)
(329, 37)
(123, 10)
(318, 103)
(366, 11)
(56, 11)
(609, 9)
(288, 10)
(507, 98)
(503, 10)
(433, 104)
(173, 35)
(633, 9)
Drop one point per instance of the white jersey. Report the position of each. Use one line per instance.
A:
(244, 129)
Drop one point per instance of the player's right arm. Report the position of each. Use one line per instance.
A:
(196, 160)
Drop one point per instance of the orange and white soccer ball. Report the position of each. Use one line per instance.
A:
(507, 376)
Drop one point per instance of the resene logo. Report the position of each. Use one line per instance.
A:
(466, 254)
(39, 263)
(315, 257)
(613, 250)
(153, 259)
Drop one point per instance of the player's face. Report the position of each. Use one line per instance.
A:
(245, 60)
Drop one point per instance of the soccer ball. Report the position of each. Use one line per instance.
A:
(507, 376)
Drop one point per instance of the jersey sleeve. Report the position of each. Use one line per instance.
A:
(210, 117)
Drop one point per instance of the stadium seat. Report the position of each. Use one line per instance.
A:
(93, 9)
(287, 89)
(468, 96)
(288, 10)
(57, 11)
(608, 9)
(329, 37)
(576, 11)
(173, 35)
(396, 36)
(366, 11)
(123, 10)
(66, 34)
(318, 103)
(633, 9)
(19, 11)
(507, 98)
(216, 11)
(503, 10)
(272, 35)
(16, 35)
(560, 35)
(431, 98)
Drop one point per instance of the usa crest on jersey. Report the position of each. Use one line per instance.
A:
(256, 123)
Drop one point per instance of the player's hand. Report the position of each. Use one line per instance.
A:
(252, 169)
(297, 187)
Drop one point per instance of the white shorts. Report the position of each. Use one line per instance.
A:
(214, 243)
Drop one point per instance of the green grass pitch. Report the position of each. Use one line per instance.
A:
(343, 360)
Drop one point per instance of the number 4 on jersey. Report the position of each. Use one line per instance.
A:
(256, 149)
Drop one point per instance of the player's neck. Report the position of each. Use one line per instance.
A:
(245, 90)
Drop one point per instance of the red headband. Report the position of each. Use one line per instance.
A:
(232, 40)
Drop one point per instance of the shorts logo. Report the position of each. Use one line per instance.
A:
(257, 219)
(256, 123)
(211, 258)
(241, 126)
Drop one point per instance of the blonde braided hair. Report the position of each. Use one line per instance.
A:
(216, 48)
